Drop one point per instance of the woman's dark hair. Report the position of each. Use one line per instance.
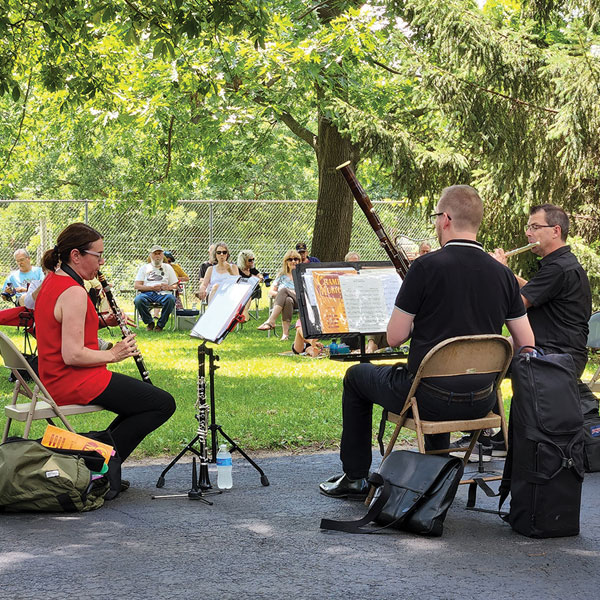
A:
(76, 235)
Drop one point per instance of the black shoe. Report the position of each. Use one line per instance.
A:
(341, 486)
(498, 445)
(150, 326)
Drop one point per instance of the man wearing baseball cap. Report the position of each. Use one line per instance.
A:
(303, 252)
(155, 281)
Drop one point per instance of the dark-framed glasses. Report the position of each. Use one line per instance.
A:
(221, 252)
(251, 259)
(434, 216)
(536, 226)
(293, 259)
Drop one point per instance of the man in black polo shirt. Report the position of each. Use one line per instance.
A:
(457, 290)
(558, 298)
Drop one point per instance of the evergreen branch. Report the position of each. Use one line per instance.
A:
(475, 85)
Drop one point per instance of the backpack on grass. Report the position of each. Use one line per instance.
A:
(36, 478)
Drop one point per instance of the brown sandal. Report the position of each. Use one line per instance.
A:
(266, 326)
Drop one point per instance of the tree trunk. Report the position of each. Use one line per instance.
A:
(333, 221)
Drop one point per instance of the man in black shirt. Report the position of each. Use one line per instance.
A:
(457, 290)
(558, 298)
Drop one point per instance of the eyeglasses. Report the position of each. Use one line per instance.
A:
(96, 254)
(293, 259)
(433, 216)
(250, 260)
(536, 226)
(221, 252)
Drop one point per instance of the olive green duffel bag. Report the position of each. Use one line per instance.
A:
(36, 478)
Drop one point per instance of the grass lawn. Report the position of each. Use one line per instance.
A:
(263, 400)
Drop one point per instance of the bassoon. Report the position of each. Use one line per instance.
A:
(125, 331)
(398, 257)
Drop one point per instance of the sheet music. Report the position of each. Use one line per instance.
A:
(391, 283)
(365, 303)
(223, 308)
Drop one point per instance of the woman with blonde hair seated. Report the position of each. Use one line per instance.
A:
(285, 295)
(247, 269)
(218, 275)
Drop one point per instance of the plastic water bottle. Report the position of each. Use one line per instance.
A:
(224, 480)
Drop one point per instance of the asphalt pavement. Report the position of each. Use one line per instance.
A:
(259, 542)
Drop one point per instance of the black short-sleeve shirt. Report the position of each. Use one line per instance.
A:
(561, 305)
(253, 271)
(457, 290)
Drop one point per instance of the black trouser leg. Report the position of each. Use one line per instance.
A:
(141, 408)
(364, 385)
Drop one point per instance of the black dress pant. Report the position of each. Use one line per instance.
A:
(141, 408)
(388, 386)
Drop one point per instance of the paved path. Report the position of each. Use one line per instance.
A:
(264, 542)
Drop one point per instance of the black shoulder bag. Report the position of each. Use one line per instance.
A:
(414, 492)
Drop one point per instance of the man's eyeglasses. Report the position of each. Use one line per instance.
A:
(434, 216)
(536, 226)
(96, 254)
(221, 252)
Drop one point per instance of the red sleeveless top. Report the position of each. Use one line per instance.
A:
(67, 384)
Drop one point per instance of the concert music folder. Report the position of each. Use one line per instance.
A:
(346, 298)
(222, 312)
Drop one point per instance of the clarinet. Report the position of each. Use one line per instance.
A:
(398, 257)
(202, 410)
(139, 361)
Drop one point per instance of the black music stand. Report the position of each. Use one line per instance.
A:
(214, 427)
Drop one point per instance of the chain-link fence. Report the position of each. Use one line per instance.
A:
(269, 229)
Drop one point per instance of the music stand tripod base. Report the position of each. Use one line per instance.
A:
(214, 428)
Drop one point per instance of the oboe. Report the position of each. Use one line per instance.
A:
(398, 257)
(139, 361)
(521, 249)
(202, 410)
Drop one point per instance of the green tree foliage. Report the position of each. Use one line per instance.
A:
(158, 100)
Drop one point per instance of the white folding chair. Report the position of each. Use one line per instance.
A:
(41, 405)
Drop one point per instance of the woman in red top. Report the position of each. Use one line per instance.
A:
(70, 364)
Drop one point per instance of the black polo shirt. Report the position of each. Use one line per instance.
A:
(561, 305)
(457, 290)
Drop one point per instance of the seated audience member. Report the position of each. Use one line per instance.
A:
(303, 252)
(156, 281)
(301, 345)
(16, 283)
(352, 257)
(285, 295)
(182, 276)
(247, 268)
(220, 274)
(424, 248)
(204, 266)
(71, 366)
(480, 296)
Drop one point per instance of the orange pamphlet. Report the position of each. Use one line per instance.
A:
(55, 437)
(329, 299)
